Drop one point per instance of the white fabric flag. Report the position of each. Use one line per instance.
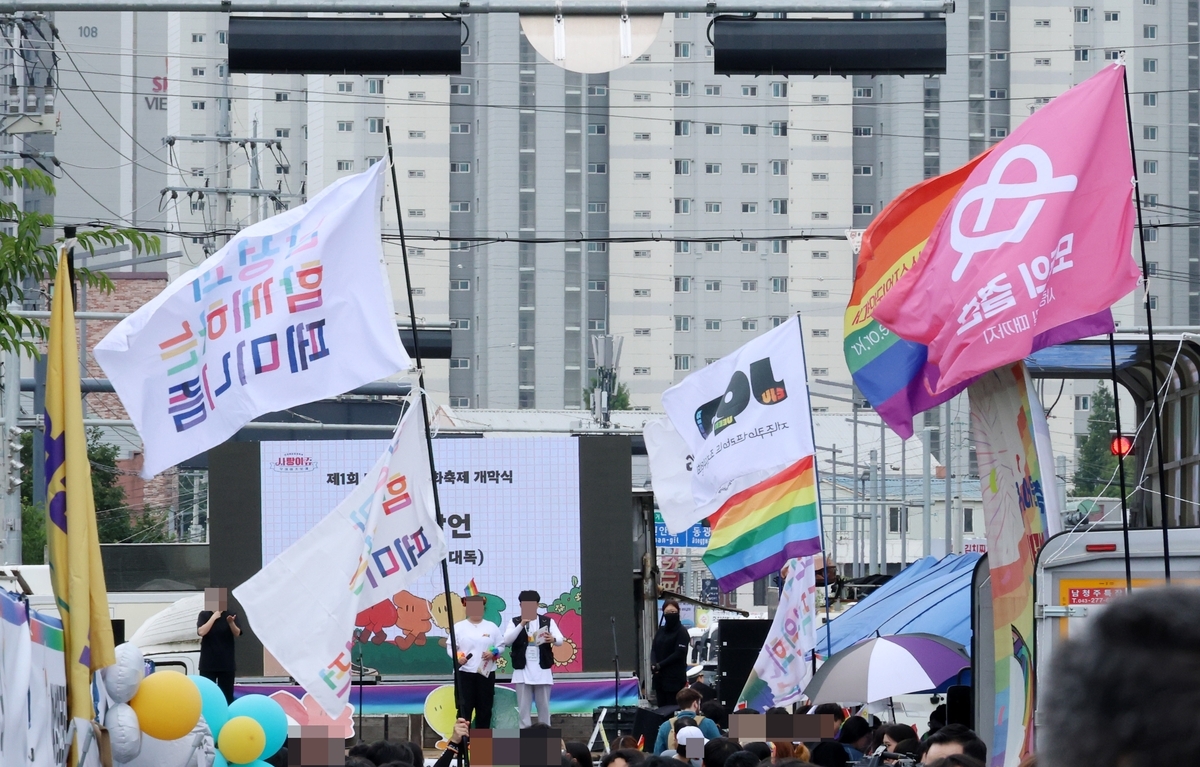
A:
(671, 473)
(1045, 453)
(294, 309)
(744, 417)
(784, 665)
(14, 679)
(47, 746)
(381, 538)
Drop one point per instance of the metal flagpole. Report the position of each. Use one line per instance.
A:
(820, 514)
(437, 505)
(1158, 424)
(1112, 355)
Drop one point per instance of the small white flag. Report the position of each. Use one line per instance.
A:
(381, 538)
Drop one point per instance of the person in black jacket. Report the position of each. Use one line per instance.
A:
(668, 655)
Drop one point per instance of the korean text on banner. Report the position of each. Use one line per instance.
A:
(1014, 507)
(744, 418)
(784, 665)
(380, 539)
(76, 570)
(293, 309)
(1018, 251)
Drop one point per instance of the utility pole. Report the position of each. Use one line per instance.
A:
(884, 512)
(873, 564)
(927, 488)
(607, 351)
(11, 537)
(224, 131)
(948, 462)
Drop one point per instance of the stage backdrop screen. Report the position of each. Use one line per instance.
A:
(498, 496)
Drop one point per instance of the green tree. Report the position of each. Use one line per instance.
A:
(618, 400)
(24, 256)
(1097, 465)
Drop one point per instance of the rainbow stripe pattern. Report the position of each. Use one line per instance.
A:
(759, 529)
(471, 590)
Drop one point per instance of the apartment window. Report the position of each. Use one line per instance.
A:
(416, 134)
(998, 93)
(197, 206)
(1083, 402)
(460, 284)
(997, 132)
(198, 105)
(712, 207)
(375, 85)
(417, 213)
(283, 132)
(641, 371)
(779, 91)
(643, 57)
(712, 286)
(779, 128)
(712, 324)
(1041, 62)
(864, 93)
(416, 291)
(683, 89)
(597, 286)
(641, 331)
(198, 172)
(460, 167)
(683, 284)
(820, 215)
(460, 363)
(282, 170)
(597, 168)
(374, 125)
(997, 56)
(712, 247)
(712, 130)
(820, 333)
(818, 98)
(641, 214)
(683, 50)
(749, 207)
(345, 87)
(596, 325)
(597, 247)
(1150, 167)
(820, 137)
(777, 321)
(820, 254)
(641, 175)
(460, 89)
(749, 324)
(1150, 235)
(1112, 15)
(1149, 32)
(1041, 22)
(712, 90)
(641, 292)
(1083, 15)
(749, 286)
(597, 129)
(1149, 99)
(460, 324)
(197, 37)
(348, 165)
(597, 90)
(1150, 200)
(416, 174)
(597, 207)
(749, 168)
(1082, 53)
(749, 90)
(683, 127)
(641, 97)
(222, 37)
(460, 207)
(712, 168)
(683, 167)
(281, 95)
(416, 95)
(749, 247)
(863, 209)
(818, 371)
(779, 167)
(1150, 65)
(1150, 132)
(820, 177)
(641, 137)
(779, 207)
(683, 324)
(197, 71)
(460, 402)
(863, 170)
(779, 246)
(779, 284)
(749, 130)
(683, 362)
(641, 254)
(998, 16)
(460, 128)
(683, 206)
(1153, 302)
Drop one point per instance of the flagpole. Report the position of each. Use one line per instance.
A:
(437, 505)
(817, 486)
(1112, 354)
(1162, 473)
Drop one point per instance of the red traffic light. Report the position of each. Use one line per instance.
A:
(1121, 446)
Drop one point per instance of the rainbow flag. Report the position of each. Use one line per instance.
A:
(759, 529)
(76, 571)
(471, 590)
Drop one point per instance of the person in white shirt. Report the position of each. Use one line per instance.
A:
(530, 636)
(475, 677)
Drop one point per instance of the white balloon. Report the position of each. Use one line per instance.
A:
(192, 750)
(124, 734)
(121, 679)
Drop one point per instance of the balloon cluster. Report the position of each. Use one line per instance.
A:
(167, 706)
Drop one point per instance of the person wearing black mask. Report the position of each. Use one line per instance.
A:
(668, 655)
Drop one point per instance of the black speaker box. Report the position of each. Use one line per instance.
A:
(740, 642)
(618, 722)
(960, 707)
(646, 723)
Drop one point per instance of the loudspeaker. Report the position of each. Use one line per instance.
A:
(118, 630)
(740, 641)
(745, 46)
(645, 724)
(617, 722)
(960, 708)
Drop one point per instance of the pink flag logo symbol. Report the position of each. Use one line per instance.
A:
(1038, 237)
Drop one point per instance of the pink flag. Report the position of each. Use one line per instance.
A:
(1039, 236)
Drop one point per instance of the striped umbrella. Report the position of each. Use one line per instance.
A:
(880, 668)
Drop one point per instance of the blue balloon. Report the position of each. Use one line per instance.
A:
(219, 760)
(213, 706)
(266, 712)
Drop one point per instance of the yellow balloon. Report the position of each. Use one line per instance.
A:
(167, 704)
(242, 740)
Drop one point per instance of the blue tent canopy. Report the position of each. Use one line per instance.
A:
(929, 596)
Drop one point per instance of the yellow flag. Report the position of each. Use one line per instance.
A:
(75, 567)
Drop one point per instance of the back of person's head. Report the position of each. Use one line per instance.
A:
(397, 763)
(658, 761)
(777, 710)
(971, 743)
(759, 748)
(899, 732)
(956, 760)
(717, 750)
(792, 763)
(1134, 675)
(742, 759)
(568, 761)
(582, 753)
(910, 747)
(716, 712)
(359, 749)
(853, 730)
(382, 751)
(687, 697)
(937, 717)
(359, 761)
(801, 752)
(630, 755)
(832, 709)
(783, 749)
(417, 752)
(829, 754)
(684, 721)
(626, 741)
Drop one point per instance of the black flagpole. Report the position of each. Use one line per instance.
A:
(437, 505)
(1112, 355)
(1162, 473)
